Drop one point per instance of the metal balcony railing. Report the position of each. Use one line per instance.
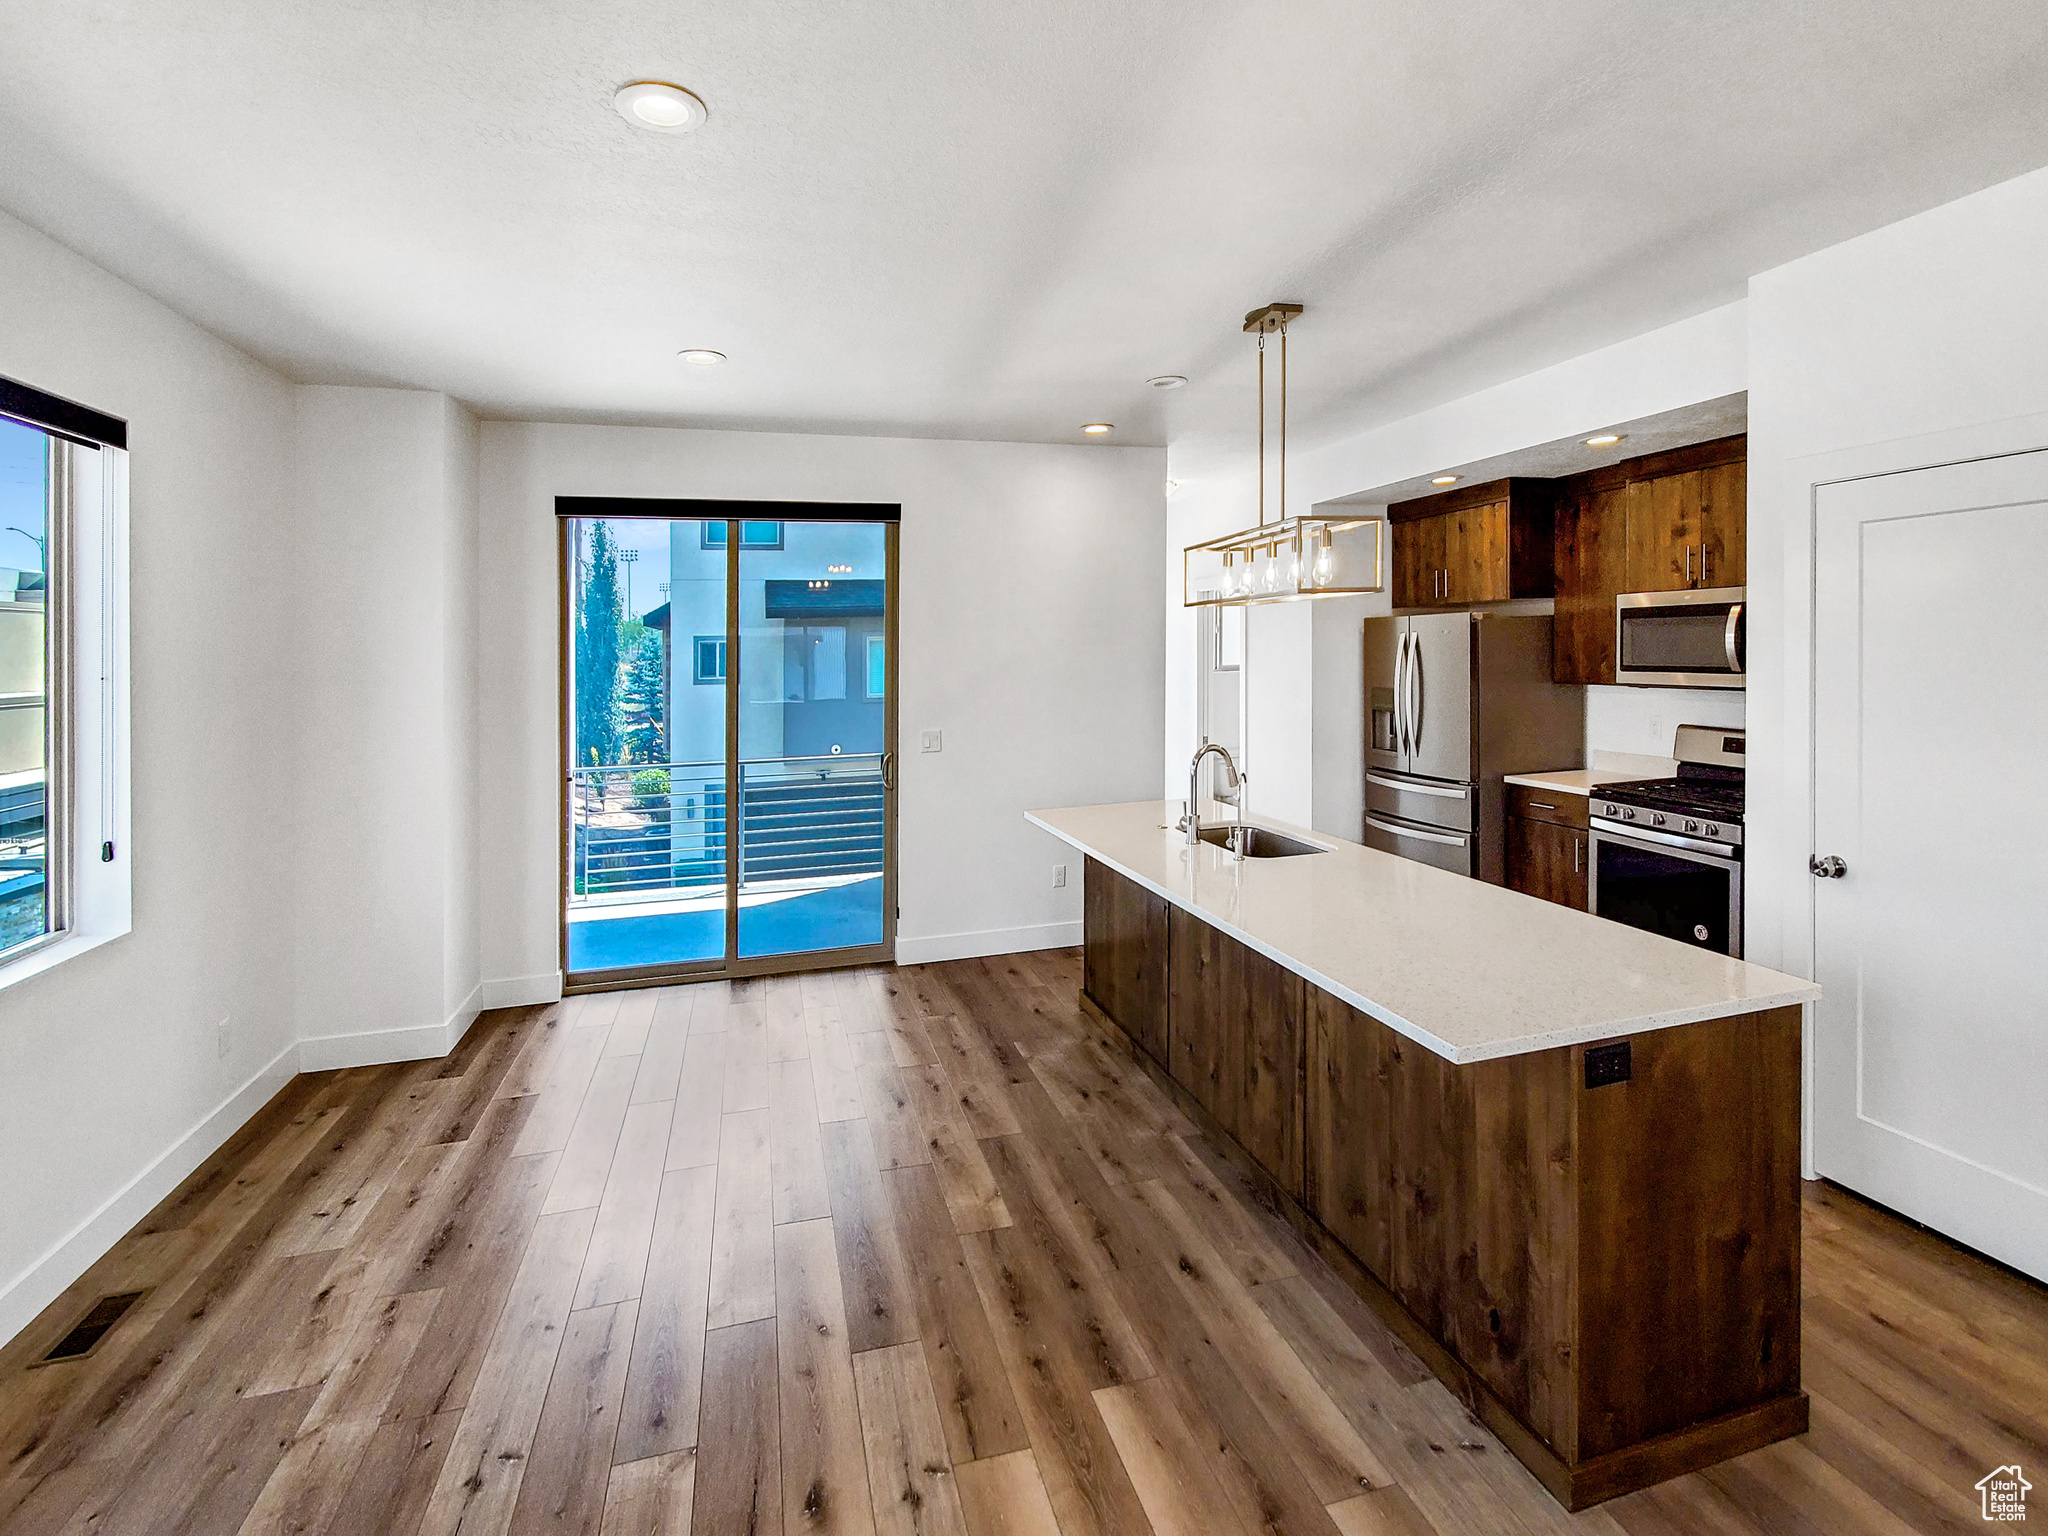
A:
(660, 831)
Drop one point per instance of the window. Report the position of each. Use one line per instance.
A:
(752, 535)
(64, 865)
(708, 663)
(32, 692)
(878, 667)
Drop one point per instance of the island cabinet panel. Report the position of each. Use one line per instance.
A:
(1700, 1150)
(1238, 1042)
(1123, 955)
(1350, 1143)
(1453, 1186)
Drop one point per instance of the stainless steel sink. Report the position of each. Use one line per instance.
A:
(1259, 842)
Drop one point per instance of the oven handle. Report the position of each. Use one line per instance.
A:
(1391, 830)
(1729, 637)
(1619, 834)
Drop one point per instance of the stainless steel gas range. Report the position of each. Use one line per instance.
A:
(1666, 854)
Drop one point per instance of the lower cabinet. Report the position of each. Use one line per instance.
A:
(1123, 958)
(1237, 1041)
(1548, 853)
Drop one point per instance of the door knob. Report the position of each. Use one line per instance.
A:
(1829, 868)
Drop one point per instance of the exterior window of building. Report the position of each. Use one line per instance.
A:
(878, 667)
(764, 535)
(708, 665)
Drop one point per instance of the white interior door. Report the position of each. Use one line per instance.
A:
(1930, 756)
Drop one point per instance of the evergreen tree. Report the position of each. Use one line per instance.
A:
(597, 653)
(644, 731)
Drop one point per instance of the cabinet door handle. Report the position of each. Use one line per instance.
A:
(1706, 566)
(1688, 565)
(1578, 851)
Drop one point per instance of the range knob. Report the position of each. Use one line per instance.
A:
(1712, 830)
(1691, 825)
(1628, 814)
(1657, 820)
(1609, 809)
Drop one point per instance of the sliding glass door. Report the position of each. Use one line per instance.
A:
(729, 735)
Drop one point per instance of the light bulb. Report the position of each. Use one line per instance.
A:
(1326, 563)
(1272, 571)
(1294, 565)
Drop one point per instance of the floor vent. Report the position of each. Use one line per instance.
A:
(94, 1326)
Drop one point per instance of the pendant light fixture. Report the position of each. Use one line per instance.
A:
(1290, 558)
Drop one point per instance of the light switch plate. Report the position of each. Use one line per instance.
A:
(1059, 877)
(931, 741)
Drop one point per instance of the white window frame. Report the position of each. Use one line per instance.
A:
(87, 807)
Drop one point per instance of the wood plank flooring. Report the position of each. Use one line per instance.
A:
(907, 1251)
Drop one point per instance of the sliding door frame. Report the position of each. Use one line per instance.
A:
(568, 510)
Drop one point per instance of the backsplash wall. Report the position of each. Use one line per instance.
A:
(1643, 720)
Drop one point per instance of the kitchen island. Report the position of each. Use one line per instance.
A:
(1560, 1156)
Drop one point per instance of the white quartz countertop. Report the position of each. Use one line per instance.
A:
(1574, 781)
(1471, 970)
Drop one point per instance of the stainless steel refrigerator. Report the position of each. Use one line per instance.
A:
(1453, 702)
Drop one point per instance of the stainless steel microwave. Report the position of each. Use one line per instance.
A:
(1680, 639)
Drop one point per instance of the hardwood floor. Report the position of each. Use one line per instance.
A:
(896, 1251)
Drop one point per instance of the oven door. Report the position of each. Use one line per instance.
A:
(1681, 639)
(1681, 887)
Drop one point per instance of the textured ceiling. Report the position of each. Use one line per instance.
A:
(989, 220)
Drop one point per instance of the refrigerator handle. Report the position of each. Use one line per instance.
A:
(1415, 696)
(1400, 691)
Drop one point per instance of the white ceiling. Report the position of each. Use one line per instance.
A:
(985, 220)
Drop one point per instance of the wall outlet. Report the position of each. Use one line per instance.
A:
(220, 1040)
(931, 741)
(1059, 877)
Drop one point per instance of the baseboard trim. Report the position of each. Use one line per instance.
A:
(520, 991)
(987, 941)
(25, 1296)
(421, 1042)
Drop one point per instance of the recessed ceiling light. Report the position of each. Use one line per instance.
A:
(1097, 428)
(1168, 381)
(660, 107)
(701, 357)
(1604, 440)
(1445, 480)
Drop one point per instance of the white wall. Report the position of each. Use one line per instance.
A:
(1316, 766)
(386, 774)
(1644, 720)
(1029, 635)
(1923, 342)
(110, 1086)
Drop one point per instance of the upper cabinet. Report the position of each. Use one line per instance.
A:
(1686, 529)
(1657, 524)
(1484, 544)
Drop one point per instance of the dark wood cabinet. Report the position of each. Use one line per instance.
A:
(1602, 1294)
(1486, 544)
(1124, 954)
(1660, 523)
(1688, 527)
(1237, 1042)
(1592, 531)
(1547, 846)
(1603, 1266)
